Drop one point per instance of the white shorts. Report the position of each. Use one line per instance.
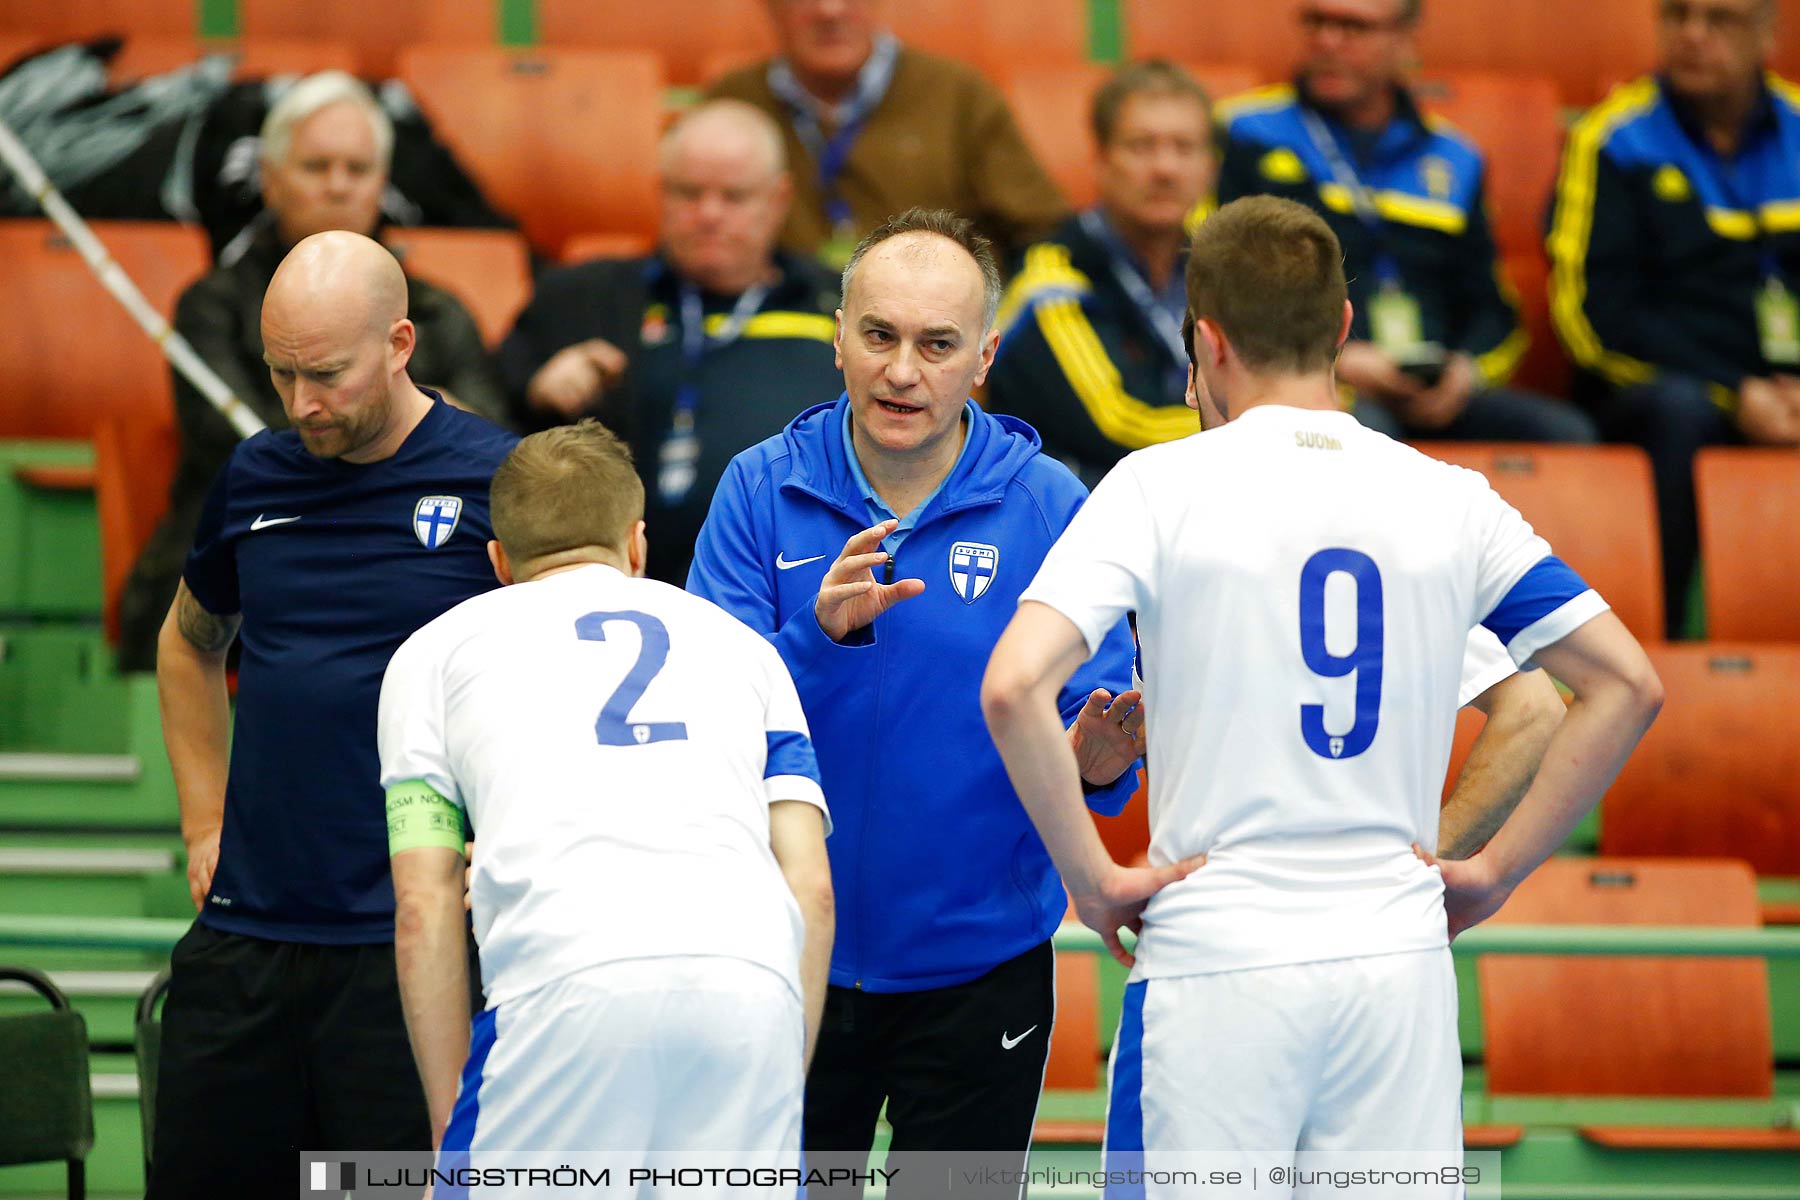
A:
(1349, 1062)
(658, 1062)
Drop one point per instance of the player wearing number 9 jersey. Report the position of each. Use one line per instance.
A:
(1303, 587)
(650, 889)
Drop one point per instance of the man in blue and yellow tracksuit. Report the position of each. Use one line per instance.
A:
(1091, 352)
(1675, 254)
(881, 543)
(1435, 337)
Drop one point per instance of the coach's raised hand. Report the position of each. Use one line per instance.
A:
(1108, 737)
(849, 596)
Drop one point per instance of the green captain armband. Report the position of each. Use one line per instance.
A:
(418, 816)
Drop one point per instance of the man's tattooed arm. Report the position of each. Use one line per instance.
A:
(206, 632)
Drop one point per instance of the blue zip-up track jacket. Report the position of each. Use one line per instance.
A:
(939, 874)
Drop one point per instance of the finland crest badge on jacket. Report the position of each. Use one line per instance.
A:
(972, 567)
(435, 519)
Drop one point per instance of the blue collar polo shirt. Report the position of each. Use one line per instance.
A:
(332, 565)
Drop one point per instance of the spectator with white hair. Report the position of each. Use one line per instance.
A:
(325, 149)
(697, 351)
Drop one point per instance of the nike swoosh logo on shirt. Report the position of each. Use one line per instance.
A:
(782, 564)
(263, 522)
(1007, 1043)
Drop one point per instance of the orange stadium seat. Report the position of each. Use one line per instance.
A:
(489, 270)
(721, 63)
(1546, 366)
(1127, 836)
(1264, 36)
(1469, 724)
(66, 20)
(584, 246)
(1515, 120)
(1222, 79)
(1749, 503)
(994, 36)
(1052, 105)
(15, 46)
(1787, 48)
(1075, 1039)
(563, 139)
(71, 354)
(1580, 46)
(1596, 507)
(1718, 774)
(379, 29)
(134, 464)
(687, 34)
(256, 58)
(1677, 1027)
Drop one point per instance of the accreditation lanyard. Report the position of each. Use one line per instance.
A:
(1362, 196)
(1137, 287)
(1396, 321)
(831, 154)
(679, 456)
(1777, 310)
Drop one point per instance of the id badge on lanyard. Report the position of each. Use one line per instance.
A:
(678, 458)
(1778, 322)
(1395, 322)
(834, 155)
(1137, 288)
(1777, 311)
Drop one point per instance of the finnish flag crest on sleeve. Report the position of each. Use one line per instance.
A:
(435, 518)
(972, 567)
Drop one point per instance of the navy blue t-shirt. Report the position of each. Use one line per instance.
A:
(332, 565)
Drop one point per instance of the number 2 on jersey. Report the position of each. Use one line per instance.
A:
(614, 726)
(1363, 661)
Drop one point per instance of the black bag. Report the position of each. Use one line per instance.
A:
(183, 145)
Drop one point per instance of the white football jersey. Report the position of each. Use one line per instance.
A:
(1485, 663)
(1304, 590)
(616, 744)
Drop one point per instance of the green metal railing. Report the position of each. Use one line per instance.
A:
(1611, 940)
(161, 933)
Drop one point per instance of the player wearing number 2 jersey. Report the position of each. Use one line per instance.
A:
(1303, 588)
(651, 892)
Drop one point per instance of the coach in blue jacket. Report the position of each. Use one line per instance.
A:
(881, 542)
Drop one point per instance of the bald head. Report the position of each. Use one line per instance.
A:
(725, 193)
(720, 128)
(343, 276)
(337, 341)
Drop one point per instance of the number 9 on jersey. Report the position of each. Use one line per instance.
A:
(1363, 661)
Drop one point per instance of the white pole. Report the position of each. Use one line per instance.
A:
(114, 279)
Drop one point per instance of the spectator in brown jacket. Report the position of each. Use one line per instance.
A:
(874, 128)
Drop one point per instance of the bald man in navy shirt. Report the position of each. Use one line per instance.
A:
(321, 548)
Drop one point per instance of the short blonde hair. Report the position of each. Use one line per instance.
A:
(565, 488)
(317, 92)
